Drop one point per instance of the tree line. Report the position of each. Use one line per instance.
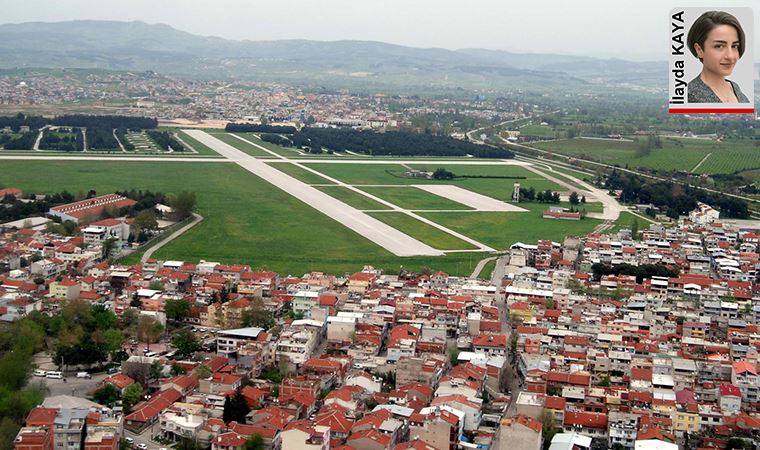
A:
(396, 143)
(67, 143)
(258, 128)
(101, 138)
(121, 135)
(77, 120)
(166, 141)
(673, 199)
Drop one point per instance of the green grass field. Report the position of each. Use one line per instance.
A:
(487, 271)
(542, 131)
(284, 151)
(202, 149)
(349, 197)
(300, 173)
(500, 230)
(408, 197)
(419, 230)
(246, 219)
(242, 145)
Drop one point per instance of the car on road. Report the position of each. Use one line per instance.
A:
(39, 373)
(142, 446)
(129, 440)
(54, 374)
(84, 375)
(112, 370)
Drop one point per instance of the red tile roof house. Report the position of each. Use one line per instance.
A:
(348, 397)
(268, 422)
(490, 344)
(335, 417)
(588, 423)
(469, 406)
(383, 421)
(370, 440)
(148, 412)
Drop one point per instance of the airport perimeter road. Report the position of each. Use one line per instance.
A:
(394, 241)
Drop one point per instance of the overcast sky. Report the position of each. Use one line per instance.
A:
(629, 29)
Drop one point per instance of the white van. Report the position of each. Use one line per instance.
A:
(83, 375)
(39, 373)
(54, 374)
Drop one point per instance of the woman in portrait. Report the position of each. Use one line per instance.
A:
(716, 38)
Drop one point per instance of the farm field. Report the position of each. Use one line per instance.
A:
(542, 131)
(676, 154)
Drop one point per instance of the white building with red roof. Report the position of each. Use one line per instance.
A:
(90, 208)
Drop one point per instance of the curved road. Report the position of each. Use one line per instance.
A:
(146, 256)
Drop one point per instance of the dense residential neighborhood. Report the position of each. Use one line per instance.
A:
(581, 344)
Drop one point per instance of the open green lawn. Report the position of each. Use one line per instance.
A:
(419, 230)
(299, 173)
(242, 145)
(392, 174)
(408, 197)
(675, 154)
(284, 151)
(542, 131)
(500, 230)
(349, 197)
(487, 271)
(202, 149)
(246, 219)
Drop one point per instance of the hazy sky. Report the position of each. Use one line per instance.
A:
(629, 29)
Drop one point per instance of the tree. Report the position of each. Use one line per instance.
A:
(453, 356)
(112, 340)
(236, 408)
(548, 429)
(107, 248)
(202, 372)
(107, 395)
(574, 198)
(131, 396)
(185, 343)
(254, 442)
(182, 204)
(176, 369)
(635, 229)
(145, 221)
(156, 370)
(149, 330)
(177, 310)
(257, 315)
(583, 199)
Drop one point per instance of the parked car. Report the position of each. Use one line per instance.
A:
(112, 370)
(54, 374)
(39, 373)
(83, 375)
(142, 446)
(129, 440)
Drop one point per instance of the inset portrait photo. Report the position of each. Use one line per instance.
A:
(711, 61)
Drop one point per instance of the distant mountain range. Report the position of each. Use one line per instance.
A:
(161, 48)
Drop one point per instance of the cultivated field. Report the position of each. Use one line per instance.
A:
(675, 154)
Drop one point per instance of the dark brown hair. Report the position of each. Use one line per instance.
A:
(705, 23)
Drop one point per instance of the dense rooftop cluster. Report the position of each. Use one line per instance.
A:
(557, 350)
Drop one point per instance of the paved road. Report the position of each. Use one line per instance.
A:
(147, 255)
(396, 242)
(481, 264)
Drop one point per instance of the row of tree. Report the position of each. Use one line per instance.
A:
(547, 196)
(276, 139)
(258, 128)
(166, 141)
(77, 120)
(399, 143)
(66, 143)
(23, 142)
(101, 138)
(674, 199)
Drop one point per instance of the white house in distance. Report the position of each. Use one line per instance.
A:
(704, 214)
(106, 229)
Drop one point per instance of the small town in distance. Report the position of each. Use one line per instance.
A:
(254, 243)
